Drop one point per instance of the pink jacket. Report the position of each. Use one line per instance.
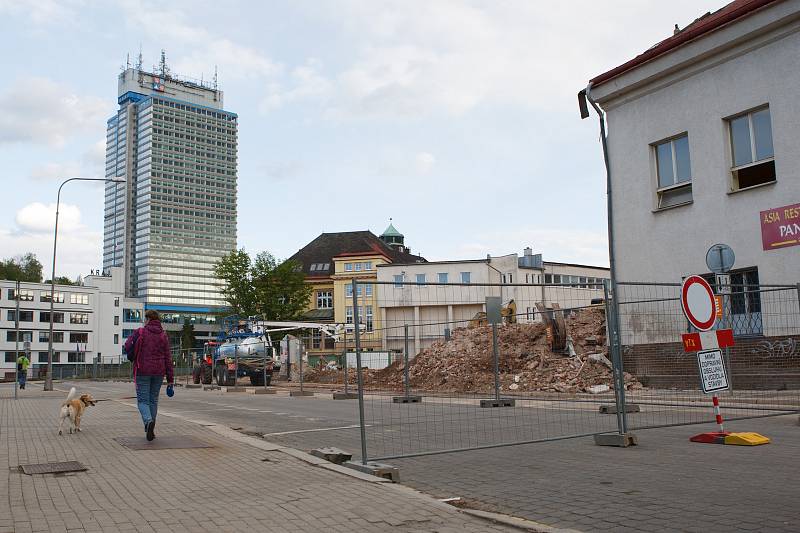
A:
(151, 346)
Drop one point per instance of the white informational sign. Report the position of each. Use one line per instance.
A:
(371, 360)
(712, 371)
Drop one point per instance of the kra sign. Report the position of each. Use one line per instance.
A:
(698, 303)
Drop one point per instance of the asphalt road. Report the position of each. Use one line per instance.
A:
(665, 483)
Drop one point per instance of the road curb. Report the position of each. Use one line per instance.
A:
(519, 523)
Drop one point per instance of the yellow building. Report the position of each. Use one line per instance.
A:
(330, 263)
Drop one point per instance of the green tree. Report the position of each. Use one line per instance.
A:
(281, 290)
(234, 270)
(187, 335)
(63, 280)
(263, 287)
(22, 267)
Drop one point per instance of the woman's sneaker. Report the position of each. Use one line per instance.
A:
(150, 430)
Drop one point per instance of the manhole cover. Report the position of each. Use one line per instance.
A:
(169, 442)
(53, 468)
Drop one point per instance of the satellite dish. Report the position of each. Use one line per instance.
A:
(720, 258)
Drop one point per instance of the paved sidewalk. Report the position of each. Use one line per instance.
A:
(229, 487)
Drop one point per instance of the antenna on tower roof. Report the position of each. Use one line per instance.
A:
(127, 61)
(215, 77)
(163, 64)
(139, 58)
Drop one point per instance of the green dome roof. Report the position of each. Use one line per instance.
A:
(391, 232)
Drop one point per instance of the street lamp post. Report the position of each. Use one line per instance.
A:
(48, 382)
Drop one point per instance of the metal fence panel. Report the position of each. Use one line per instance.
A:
(763, 366)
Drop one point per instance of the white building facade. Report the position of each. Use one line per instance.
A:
(436, 296)
(702, 141)
(90, 321)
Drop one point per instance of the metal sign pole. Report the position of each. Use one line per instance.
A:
(16, 342)
(356, 327)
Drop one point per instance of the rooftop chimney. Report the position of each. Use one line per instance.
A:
(528, 251)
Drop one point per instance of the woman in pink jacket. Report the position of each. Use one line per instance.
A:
(152, 361)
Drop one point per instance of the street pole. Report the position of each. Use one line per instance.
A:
(16, 342)
(48, 380)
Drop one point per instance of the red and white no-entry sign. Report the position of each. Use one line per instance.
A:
(697, 300)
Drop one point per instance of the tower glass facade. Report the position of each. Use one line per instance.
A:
(175, 215)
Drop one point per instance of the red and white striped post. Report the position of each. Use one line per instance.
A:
(717, 413)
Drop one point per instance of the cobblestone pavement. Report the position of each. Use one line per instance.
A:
(231, 486)
(665, 483)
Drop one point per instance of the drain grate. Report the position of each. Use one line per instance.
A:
(169, 442)
(53, 468)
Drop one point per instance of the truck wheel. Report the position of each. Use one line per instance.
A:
(207, 375)
(221, 376)
(196, 376)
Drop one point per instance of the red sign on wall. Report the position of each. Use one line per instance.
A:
(780, 227)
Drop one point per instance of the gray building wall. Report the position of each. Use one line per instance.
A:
(693, 89)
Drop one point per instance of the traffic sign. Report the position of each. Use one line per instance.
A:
(712, 371)
(698, 303)
(720, 258)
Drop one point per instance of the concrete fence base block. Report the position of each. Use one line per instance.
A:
(260, 390)
(345, 396)
(211, 387)
(334, 455)
(234, 389)
(192, 386)
(502, 402)
(295, 393)
(611, 409)
(615, 439)
(392, 473)
(407, 399)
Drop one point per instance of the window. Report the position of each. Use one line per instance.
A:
(527, 278)
(348, 267)
(465, 277)
(583, 283)
(116, 338)
(368, 265)
(79, 318)
(348, 315)
(127, 333)
(420, 279)
(369, 317)
(76, 298)
(548, 278)
(76, 357)
(78, 337)
(131, 315)
(442, 276)
(43, 357)
(58, 336)
(11, 357)
(58, 318)
(316, 340)
(116, 320)
(398, 280)
(673, 167)
(24, 295)
(751, 146)
(116, 302)
(58, 297)
(325, 299)
(510, 278)
(358, 267)
(24, 336)
(26, 316)
(557, 278)
(44, 336)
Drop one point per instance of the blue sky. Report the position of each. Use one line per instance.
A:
(458, 119)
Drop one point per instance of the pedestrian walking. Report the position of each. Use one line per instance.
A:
(148, 349)
(22, 370)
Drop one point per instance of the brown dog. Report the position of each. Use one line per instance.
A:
(73, 408)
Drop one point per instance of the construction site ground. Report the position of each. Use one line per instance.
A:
(664, 483)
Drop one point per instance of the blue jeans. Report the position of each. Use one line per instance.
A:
(23, 377)
(147, 390)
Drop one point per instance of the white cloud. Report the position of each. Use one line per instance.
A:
(208, 49)
(424, 162)
(39, 110)
(79, 247)
(40, 218)
(42, 12)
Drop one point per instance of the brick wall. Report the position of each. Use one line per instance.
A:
(766, 363)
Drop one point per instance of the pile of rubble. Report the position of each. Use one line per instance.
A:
(465, 363)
